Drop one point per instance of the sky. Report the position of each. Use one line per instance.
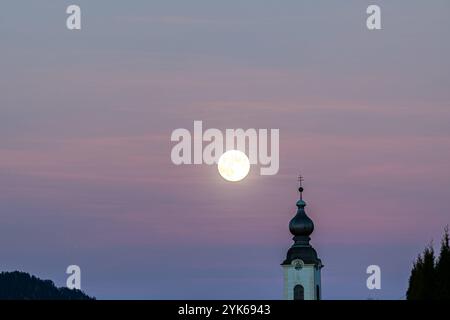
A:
(86, 118)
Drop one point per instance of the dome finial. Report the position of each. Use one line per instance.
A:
(300, 186)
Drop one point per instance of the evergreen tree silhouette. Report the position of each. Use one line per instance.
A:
(443, 269)
(421, 281)
(430, 277)
(415, 280)
(429, 274)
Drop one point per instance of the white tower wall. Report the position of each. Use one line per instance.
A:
(308, 277)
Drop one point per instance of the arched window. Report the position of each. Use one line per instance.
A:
(317, 292)
(299, 292)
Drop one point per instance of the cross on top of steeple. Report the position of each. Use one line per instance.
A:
(300, 185)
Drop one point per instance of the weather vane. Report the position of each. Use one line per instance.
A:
(300, 185)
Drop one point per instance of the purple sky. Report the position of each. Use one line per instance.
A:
(86, 118)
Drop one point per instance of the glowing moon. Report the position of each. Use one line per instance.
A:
(233, 165)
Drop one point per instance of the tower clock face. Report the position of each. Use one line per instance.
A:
(298, 264)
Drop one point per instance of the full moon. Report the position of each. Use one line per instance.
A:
(233, 165)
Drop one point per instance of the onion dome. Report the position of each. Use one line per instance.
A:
(301, 224)
(301, 227)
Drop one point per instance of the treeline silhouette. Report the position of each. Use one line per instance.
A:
(430, 276)
(23, 286)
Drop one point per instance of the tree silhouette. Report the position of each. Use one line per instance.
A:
(443, 269)
(22, 286)
(430, 279)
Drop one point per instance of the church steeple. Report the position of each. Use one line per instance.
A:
(301, 226)
(302, 266)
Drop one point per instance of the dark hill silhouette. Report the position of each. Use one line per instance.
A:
(23, 286)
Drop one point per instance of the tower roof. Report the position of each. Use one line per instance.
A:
(301, 227)
(301, 224)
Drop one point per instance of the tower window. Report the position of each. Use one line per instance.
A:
(299, 292)
(317, 292)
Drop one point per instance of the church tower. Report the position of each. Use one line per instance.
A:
(302, 266)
